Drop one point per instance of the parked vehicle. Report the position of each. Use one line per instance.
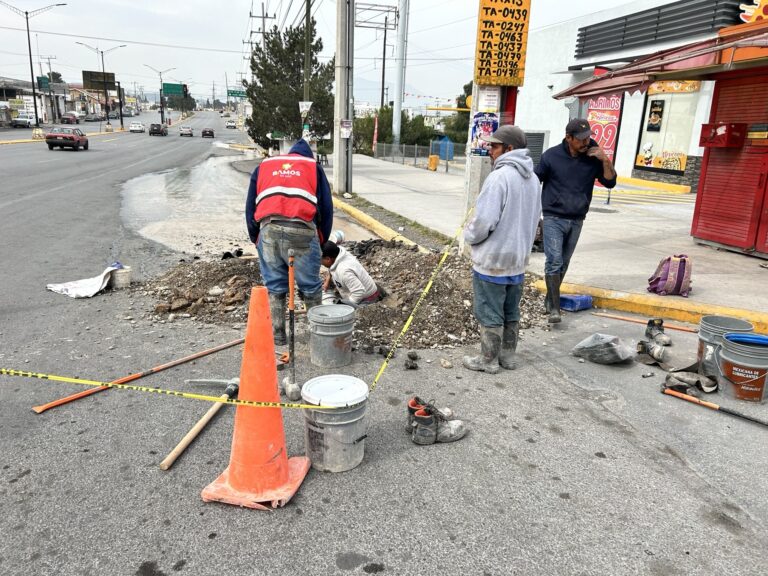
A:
(94, 117)
(69, 119)
(160, 129)
(78, 113)
(23, 121)
(185, 131)
(136, 127)
(66, 138)
(207, 133)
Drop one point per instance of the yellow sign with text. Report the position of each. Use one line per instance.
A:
(502, 40)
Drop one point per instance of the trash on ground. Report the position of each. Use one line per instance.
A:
(87, 287)
(575, 302)
(603, 349)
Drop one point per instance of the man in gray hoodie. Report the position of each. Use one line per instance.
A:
(501, 235)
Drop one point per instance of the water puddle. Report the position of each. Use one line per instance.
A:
(198, 210)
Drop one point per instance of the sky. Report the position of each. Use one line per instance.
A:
(203, 41)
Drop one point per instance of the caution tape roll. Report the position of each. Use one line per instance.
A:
(189, 395)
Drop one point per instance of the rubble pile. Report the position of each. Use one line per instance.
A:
(218, 292)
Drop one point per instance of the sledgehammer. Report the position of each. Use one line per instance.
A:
(231, 391)
(711, 405)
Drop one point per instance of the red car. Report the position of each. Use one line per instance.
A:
(69, 119)
(66, 138)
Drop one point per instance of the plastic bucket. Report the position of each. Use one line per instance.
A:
(743, 365)
(711, 332)
(335, 439)
(330, 335)
(120, 278)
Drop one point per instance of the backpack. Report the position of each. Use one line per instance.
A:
(672, 276)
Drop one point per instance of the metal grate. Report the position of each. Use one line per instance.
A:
(674, 21)
(536, 143)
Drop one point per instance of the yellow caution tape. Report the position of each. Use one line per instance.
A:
(423, 295)
(190, 395)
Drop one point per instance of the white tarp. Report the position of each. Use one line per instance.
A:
(87, 287)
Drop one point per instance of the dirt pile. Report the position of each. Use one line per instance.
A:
(218, 291)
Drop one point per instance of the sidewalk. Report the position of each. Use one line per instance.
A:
(619, 249)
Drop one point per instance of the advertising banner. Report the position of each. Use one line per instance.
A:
(502, 40)
(604, 116)
(483, 124)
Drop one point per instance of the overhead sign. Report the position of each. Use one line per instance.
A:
(172, 89)
(93, 80)
(502, 41)
(236, 93)
(43, 83)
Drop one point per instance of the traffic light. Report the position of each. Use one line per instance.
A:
(185, 91)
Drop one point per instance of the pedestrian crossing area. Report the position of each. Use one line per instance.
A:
(640, 197)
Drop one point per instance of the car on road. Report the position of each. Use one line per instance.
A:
(160, 129)
(114, 115)
(225, 115)
(185, 131)
(136, 127)
(94, 117)
(207, 133)
(69, 119)
(23, 121)
(78, 113)
(231, 124)
(66, 138)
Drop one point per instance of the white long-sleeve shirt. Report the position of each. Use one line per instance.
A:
(350, 278)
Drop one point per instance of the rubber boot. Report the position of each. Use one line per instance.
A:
(652, 349)
(277, 312)
(655, 332)
(553, 295)
(431, 426)
(509, 345)
(415, 404)
(312, 300)
(490, 347)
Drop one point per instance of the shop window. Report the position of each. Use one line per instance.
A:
(665, 132)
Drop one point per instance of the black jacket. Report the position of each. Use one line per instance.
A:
(568, 182)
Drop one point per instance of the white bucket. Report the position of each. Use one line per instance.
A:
(121, 278)
(330, 335)
(335, 439)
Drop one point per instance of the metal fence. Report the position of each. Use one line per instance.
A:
(415, 155)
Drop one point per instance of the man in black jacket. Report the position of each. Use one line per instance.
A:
(567, 173)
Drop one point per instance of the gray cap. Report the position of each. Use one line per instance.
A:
(508, 135)
(578, 128)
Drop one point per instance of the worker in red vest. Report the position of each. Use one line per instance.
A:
(289, 206)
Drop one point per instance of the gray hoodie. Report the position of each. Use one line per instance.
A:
(503, 225)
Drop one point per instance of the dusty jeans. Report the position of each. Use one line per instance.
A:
(496, 304)
(560, 238)
(275, 239)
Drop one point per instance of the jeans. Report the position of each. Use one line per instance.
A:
(560, 238)
(275, 239)
(496, 304)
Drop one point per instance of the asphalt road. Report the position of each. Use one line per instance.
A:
(569, 468)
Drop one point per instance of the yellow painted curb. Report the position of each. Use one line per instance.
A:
(672, 188)
(30, 141)
(19, 141)
(670, 307)
(373, 225)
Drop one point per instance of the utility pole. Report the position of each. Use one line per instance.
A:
(342, 146)
(54, 102)
(402, 50)
(213, 95)
(226, 88)
(264, 17)
(383, 63)
(307, 45)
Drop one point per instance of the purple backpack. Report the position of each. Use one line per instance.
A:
(672, 276)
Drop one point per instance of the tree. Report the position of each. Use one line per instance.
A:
(457, 125)
(278, 86)
(55, 77)
(179, 102)
(207, 102)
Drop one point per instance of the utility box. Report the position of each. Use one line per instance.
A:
(432, 162)
(723, 135)
(443, 147)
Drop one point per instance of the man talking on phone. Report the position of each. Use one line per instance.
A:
(567, 173)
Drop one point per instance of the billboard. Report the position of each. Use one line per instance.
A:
(93, 80)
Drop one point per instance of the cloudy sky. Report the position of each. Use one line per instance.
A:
(203, 41)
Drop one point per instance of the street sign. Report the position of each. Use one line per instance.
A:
(94, 80)
(345, 128)
(43, 83)
(304, 108)
(172, 89)
(236, 93)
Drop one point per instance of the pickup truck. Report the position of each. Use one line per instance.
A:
(23, 121)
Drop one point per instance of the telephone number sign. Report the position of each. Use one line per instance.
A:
(502, 40)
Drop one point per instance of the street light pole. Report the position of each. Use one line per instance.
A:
(103, 76)
(27, 15)
(160, 73)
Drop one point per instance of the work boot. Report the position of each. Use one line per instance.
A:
(277, 312)
(652, 349)
(509, 345)
(655, 332)
(431, 426)
(312, 300)
(415, 404)
(553, 297)
(490, 347)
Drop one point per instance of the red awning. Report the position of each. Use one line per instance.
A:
(687, 62)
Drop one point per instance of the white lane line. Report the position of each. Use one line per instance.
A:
(109, 140)
(46, 161)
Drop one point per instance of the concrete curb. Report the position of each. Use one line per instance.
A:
(373, 225)
(670, 307)
(653, 185)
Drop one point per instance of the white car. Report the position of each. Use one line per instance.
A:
(185, 131)
(136, 127)
(231, 124)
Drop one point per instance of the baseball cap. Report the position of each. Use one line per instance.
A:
(578, 128)
(507, 135)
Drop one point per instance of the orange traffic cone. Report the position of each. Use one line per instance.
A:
(259, 469)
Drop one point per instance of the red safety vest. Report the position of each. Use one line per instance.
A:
(287, 186)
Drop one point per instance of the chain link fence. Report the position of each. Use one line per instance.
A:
(415, 155)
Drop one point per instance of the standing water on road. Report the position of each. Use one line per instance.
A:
(198, 210)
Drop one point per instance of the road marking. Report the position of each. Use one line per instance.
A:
(46, 161)
(109, 140)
